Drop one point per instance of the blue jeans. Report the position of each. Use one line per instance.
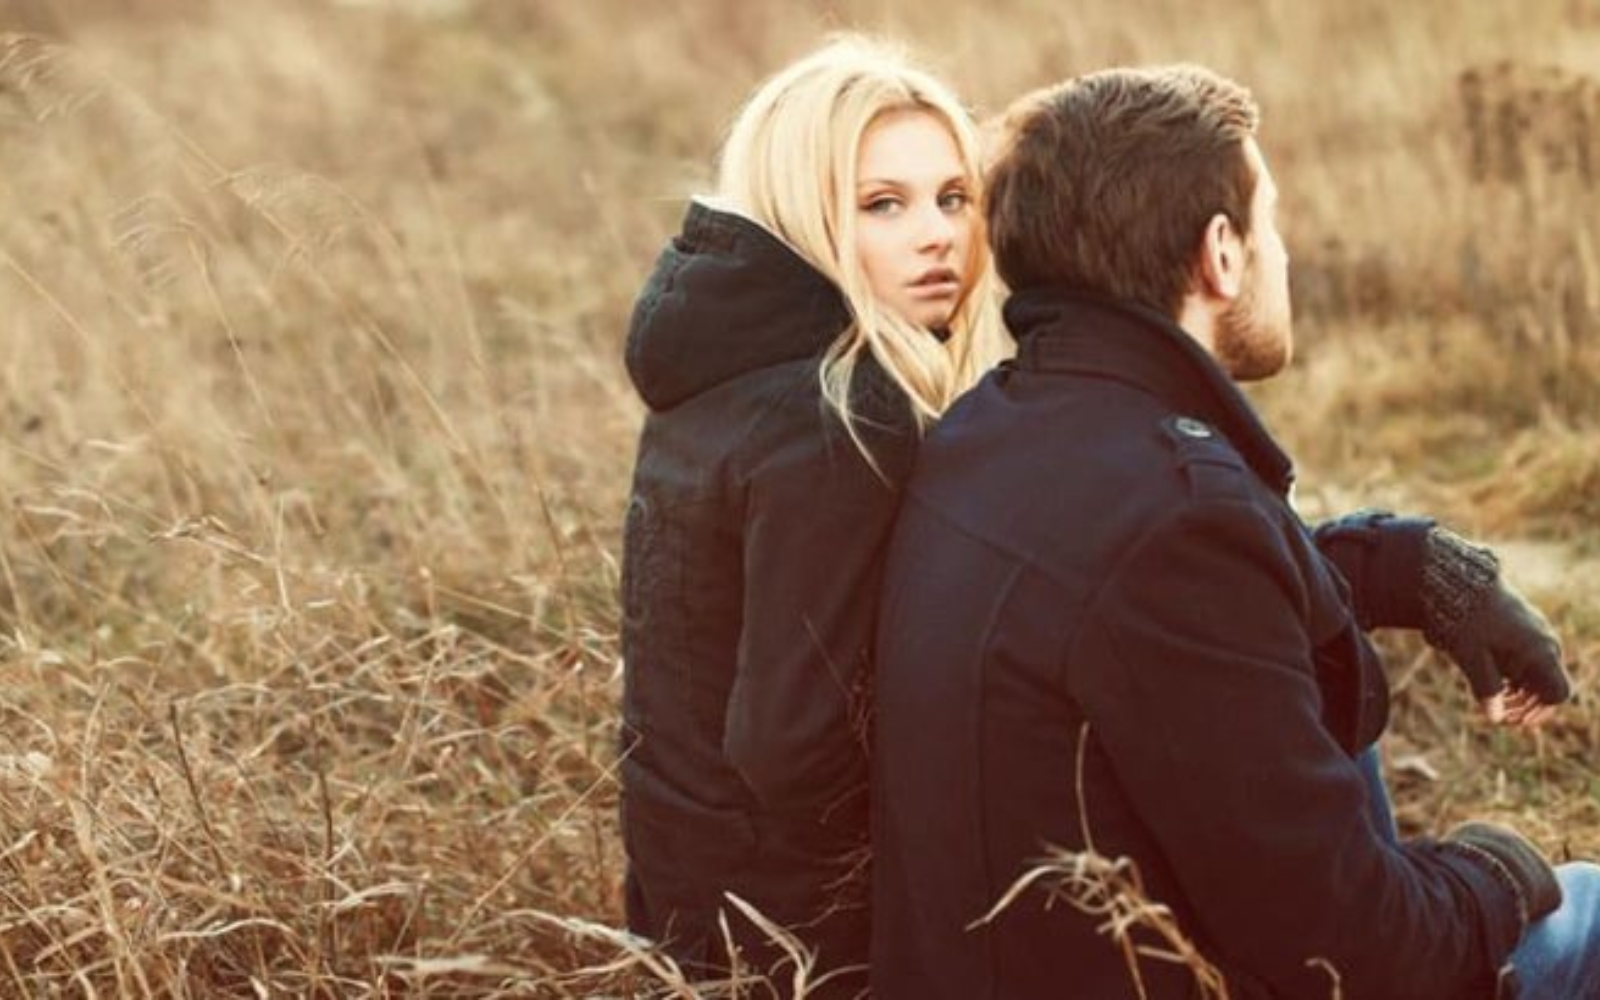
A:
(1559, 956)
(1377, 794)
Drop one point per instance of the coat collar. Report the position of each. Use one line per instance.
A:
(1060, 330)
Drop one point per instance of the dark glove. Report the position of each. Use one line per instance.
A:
(1495, 636)
(1515, 862)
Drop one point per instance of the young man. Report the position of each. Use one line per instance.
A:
(1105, 630)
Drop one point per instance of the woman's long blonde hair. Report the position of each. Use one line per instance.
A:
(789, 164)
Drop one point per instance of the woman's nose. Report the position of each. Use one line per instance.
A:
(937, 230)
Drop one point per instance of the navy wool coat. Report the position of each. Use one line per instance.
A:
(1104, 628)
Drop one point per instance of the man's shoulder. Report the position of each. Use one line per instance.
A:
(1067, 482)
(1209, 466)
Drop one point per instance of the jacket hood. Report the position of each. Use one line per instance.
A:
(726, 297)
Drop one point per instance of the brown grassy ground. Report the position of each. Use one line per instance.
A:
(314, 436)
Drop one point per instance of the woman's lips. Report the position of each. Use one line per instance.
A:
(937, 283)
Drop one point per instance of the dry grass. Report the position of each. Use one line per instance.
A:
(315, 435)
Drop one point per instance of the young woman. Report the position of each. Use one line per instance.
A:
(791, 344)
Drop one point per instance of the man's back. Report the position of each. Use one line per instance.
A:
(972, 712)
(1097, 587)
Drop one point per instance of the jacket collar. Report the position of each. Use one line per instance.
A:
(1060, 330)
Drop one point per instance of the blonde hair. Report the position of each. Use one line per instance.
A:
(789, 164)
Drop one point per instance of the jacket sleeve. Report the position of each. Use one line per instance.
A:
(1380, 556)
(1199, 682)
(817, 518)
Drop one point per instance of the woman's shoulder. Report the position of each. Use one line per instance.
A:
(800, 431)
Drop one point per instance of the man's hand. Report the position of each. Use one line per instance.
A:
(1507, 649)
(1515, 707)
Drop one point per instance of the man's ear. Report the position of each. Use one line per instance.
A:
(1221, 263)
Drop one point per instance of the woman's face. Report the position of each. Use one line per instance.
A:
(915, 221)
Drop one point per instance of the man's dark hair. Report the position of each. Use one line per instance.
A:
(1106, 182)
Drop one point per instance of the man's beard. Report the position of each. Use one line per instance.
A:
(1248, 345)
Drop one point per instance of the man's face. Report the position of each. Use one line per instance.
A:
(1255, 337)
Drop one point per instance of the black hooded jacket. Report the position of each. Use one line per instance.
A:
(751, 567)
(1104, 629)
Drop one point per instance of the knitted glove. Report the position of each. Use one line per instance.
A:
(1495, 636)
(1516, 864)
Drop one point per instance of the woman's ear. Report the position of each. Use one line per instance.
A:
(1221, 270)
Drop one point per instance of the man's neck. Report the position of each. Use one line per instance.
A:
(1198, 319)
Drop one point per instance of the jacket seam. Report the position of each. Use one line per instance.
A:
(977, 736)
(777, 396)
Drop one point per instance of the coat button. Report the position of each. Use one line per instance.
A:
(1190, 427)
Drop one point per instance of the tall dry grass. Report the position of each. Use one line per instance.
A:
(315, 435)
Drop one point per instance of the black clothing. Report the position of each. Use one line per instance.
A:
(751, 570)
(1103, 627)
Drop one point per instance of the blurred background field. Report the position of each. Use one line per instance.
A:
(314, 435)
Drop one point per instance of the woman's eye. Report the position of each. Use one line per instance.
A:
(954, 201)
(880, 206)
